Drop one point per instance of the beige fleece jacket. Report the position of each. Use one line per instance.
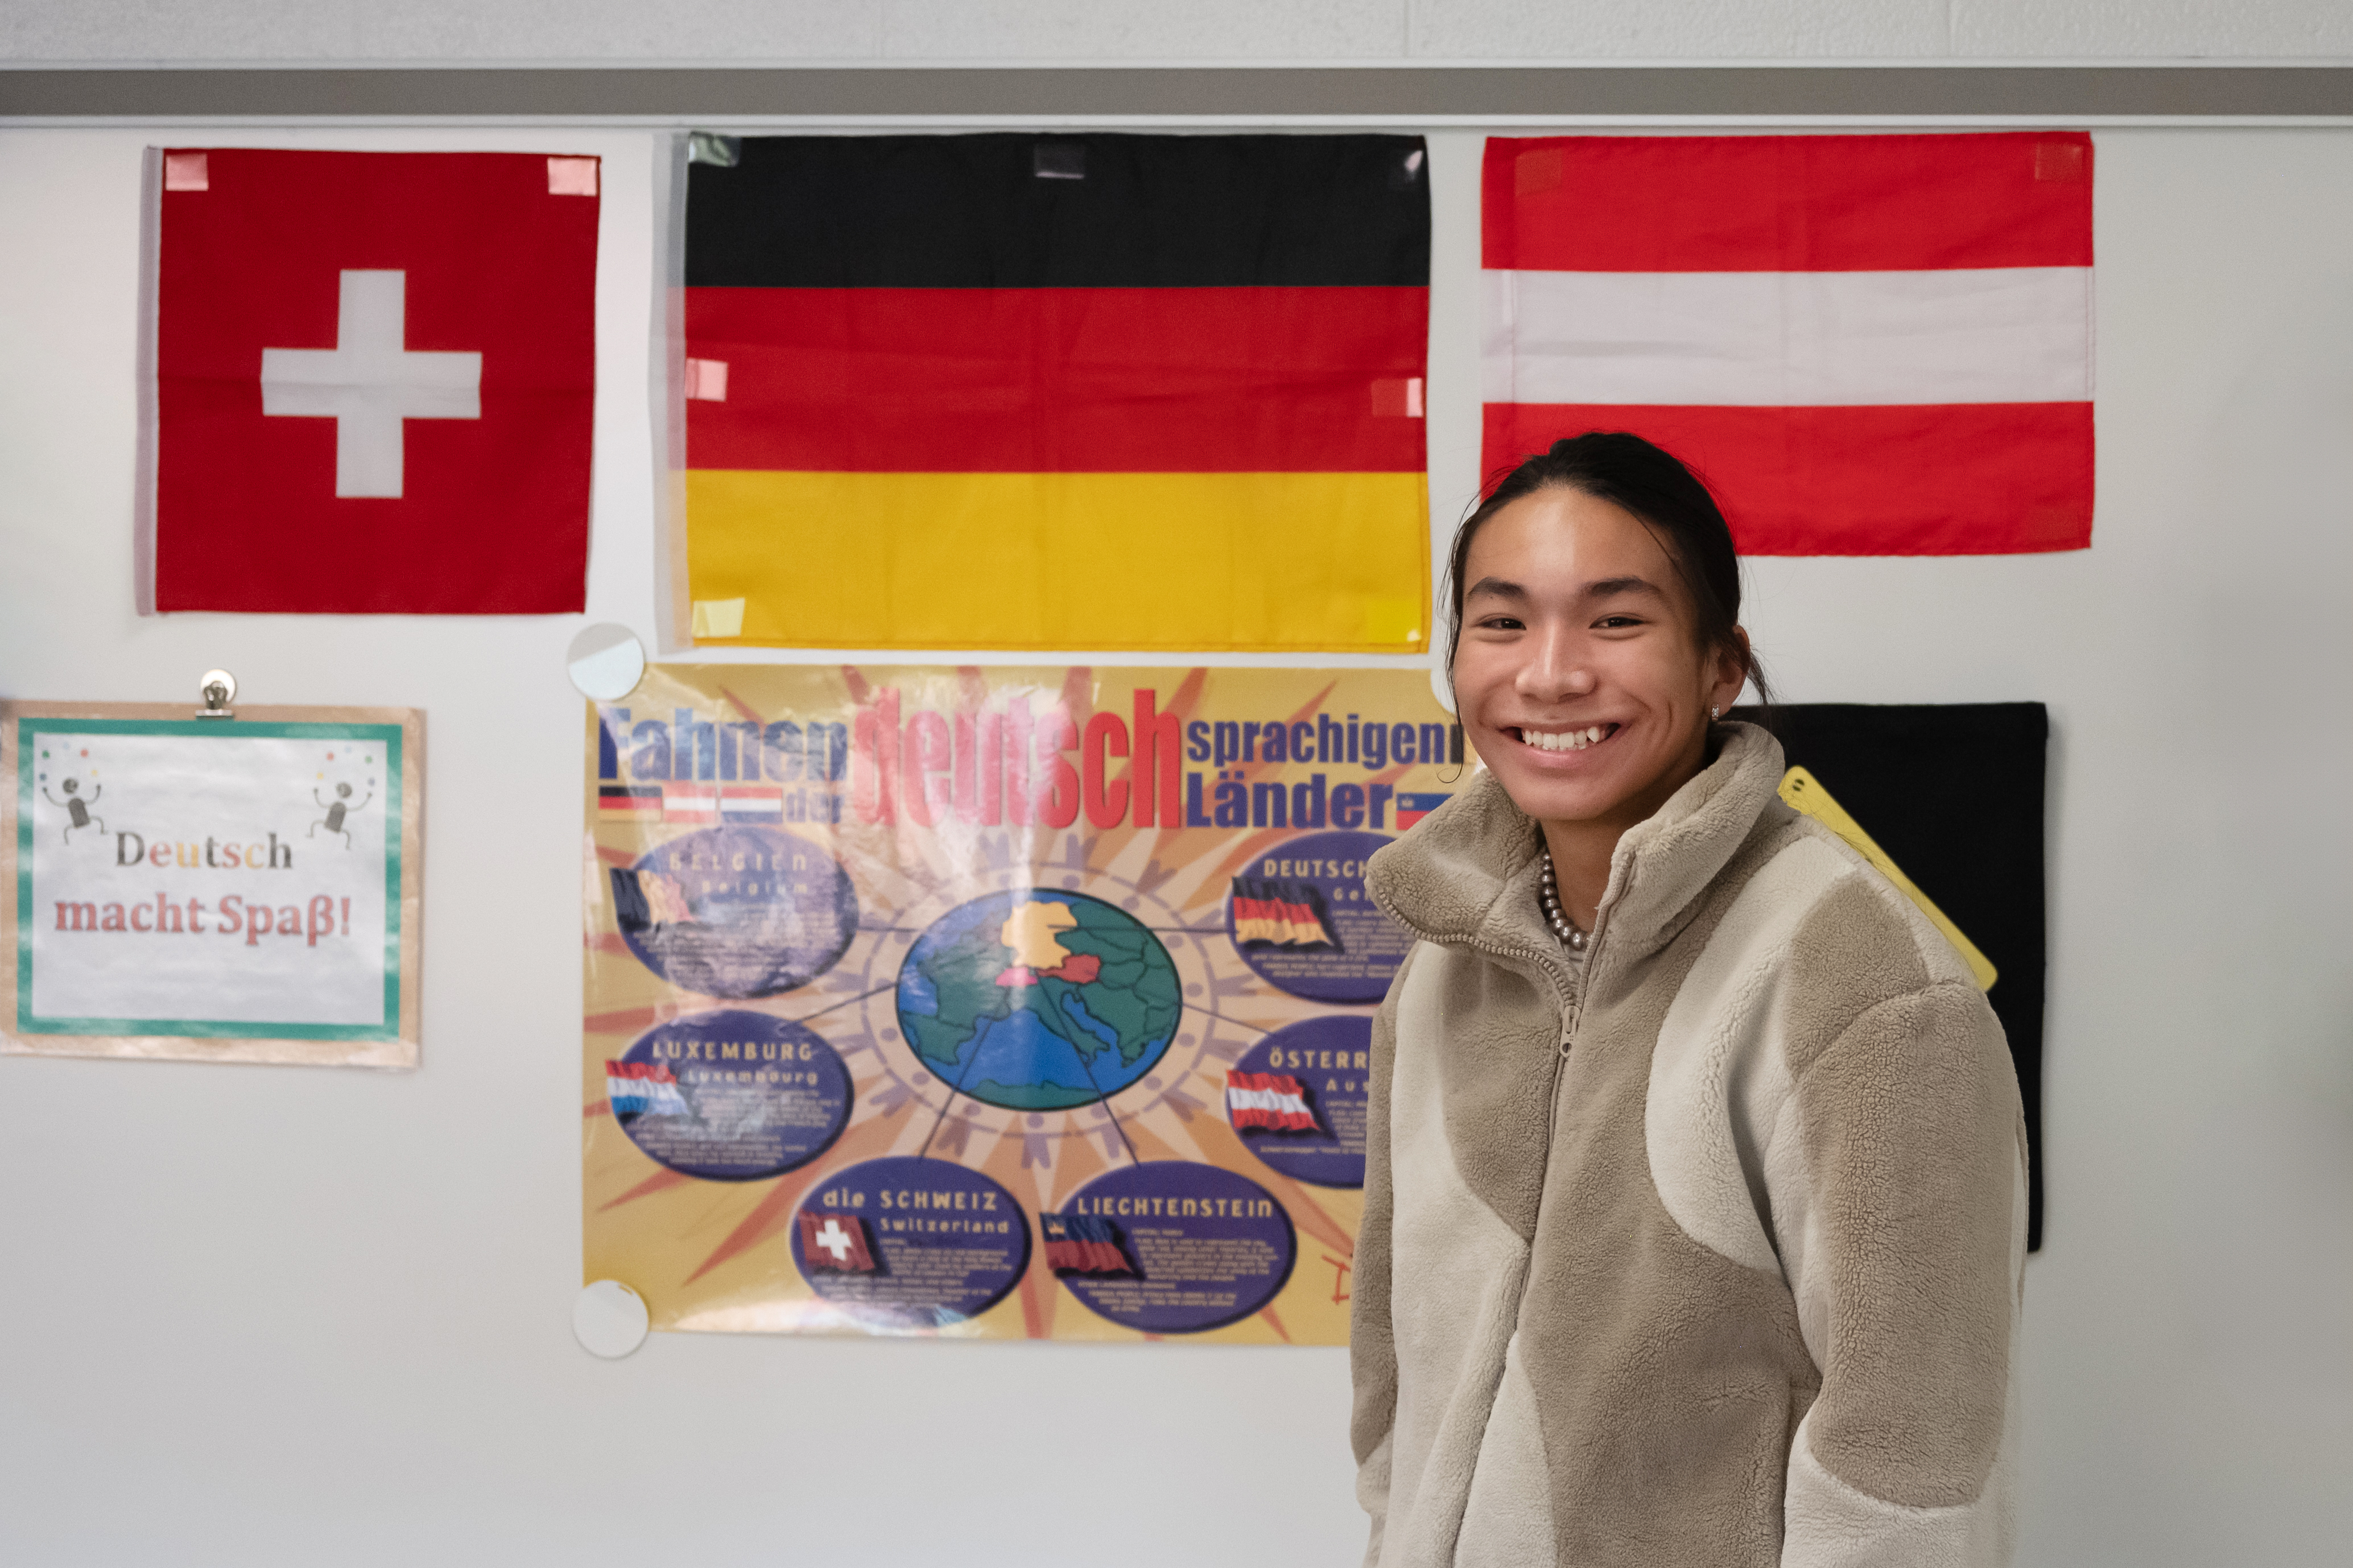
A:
(1706, 1250)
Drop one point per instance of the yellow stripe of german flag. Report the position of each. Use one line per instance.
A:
(1288, 561)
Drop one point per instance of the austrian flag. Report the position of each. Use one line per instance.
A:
(1270, 1100)
(368, 381)
(1868, 345)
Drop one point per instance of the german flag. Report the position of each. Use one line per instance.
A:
(1058, 392)
(1280, 914)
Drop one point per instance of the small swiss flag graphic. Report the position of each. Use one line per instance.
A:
(373, 381)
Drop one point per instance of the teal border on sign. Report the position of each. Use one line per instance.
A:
(387, 735)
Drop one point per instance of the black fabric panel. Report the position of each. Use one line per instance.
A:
(1007, 211)
(1954, 793)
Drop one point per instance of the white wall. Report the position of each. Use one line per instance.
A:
(272, 1317)
(751, 31)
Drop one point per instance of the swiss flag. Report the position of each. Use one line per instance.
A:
(835, 1241)
(1868, 345)
(372, 382)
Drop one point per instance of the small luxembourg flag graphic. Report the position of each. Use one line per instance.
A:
(644, 1089)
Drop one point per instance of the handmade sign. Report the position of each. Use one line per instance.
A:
(1003, 1002)
(236, 888)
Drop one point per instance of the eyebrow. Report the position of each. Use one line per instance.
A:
(1495, 588)
(1606, 588)
(1610, 587)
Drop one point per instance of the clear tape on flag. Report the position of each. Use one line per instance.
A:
(571, 176)
(187, 172)
(1397, 398)
(2061, 162)
(717, 617)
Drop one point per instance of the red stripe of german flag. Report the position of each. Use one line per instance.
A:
(1281, 380)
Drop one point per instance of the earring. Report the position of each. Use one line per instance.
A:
(1712, 714)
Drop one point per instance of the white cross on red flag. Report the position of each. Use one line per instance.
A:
(370, 381)
(1867, 345)
(835, 1241)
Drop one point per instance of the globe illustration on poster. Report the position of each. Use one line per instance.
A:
(1033, 1000)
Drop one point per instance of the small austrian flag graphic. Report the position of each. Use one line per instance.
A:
(835, 1241)
(369, 382)
(692, 803)
(644, 1089)
(1273, 1100)
(1867, 345)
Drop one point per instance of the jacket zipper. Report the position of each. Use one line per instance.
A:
(1572, 1009)
(1574, 1014)
(1572, 1006)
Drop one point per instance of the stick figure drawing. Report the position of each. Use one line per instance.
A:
(76, 807)
(337, 809)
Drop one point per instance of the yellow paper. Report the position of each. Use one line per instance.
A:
(1804, 792)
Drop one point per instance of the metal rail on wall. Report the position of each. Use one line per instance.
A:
(1427, 95)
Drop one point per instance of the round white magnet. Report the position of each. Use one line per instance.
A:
(610, 1318)
(606, 662)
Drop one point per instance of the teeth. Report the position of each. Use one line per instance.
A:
(1569, 741)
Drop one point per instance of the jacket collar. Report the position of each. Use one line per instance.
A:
(1468, 872)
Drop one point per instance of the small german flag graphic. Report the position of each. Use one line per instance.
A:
(1058, 392)
(1280, 914)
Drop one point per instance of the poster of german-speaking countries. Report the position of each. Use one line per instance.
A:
(1017, 1004)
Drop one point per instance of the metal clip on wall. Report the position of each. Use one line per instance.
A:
(218, 690)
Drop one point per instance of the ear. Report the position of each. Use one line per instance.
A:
(1730, 671)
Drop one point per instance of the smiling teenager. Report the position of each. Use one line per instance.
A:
(1696, 1197)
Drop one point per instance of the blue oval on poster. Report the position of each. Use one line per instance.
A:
(1301, 917)
(906, 1243)
(729, 1095)
(1299, 1098)
(736, 911)
(1171, 1246)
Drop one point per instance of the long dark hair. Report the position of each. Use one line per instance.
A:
(1664, 496)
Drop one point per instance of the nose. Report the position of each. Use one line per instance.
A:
(1557, 668)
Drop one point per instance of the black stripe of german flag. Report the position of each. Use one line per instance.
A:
(1098, 211)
